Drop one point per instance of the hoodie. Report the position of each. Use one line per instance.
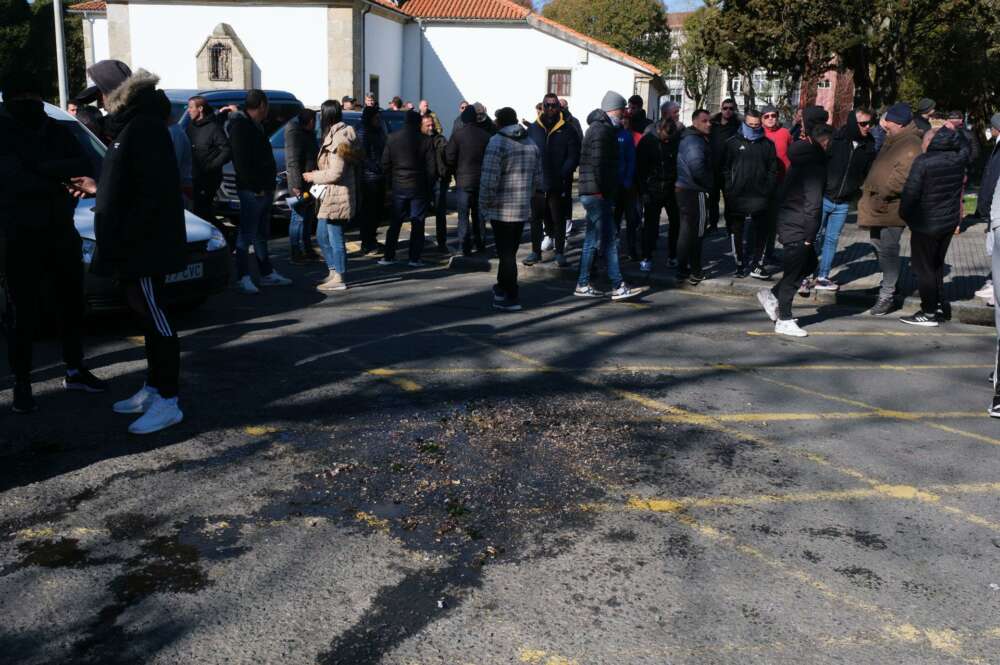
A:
(781, 138)
(599, 157)
(851, 156)
(139, 213)
(800, 199)
(512, 173)
(749, 171)
(929, 202)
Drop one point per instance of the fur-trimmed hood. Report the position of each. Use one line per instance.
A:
(120, 97)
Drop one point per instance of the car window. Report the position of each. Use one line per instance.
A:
(92, 147)
(278, 113)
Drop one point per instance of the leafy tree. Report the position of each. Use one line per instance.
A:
(27, 44)
(699, 75)
(638, 27)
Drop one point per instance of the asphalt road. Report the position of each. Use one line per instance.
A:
(397, 474)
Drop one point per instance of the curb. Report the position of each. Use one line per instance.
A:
(973, 312)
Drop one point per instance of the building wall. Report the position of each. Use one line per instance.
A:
(165, 39)
(384, 56)
(459, 63)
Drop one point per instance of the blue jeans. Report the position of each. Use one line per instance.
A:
(407, 206)
(834, 216)
(600, 229)
(468, 210)
(255, 229)
(330, 236)
(298, 230)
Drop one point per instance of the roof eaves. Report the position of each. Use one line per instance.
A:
(90, 7)
(548, 25)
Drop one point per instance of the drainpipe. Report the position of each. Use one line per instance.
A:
(420, 60)
(364, 55)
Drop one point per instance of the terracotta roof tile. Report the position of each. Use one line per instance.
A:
(482, 10)
(89, 6)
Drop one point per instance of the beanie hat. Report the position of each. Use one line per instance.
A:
(812, 116)
(506, 117)
(469, 114)
(995, 121)
(768, 108)
(926, 104)
(106, 75)
(612, 101)
(956, 115)
(899, 113)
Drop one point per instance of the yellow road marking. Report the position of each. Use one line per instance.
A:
(537, 657)
(605, 333)
(260, 430)
(782, 417)
(406, 384)
(876, 333)
(545, 369)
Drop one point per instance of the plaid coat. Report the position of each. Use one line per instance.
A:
(512, 172)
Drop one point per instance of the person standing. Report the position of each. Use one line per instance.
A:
(600, 179)
(37, 157)
(141, 234)
(300, 158)
(511, 174)
(372, 138)
(442, 182)
(926, 108)
(626, 204)
(253, 161)
(695, 182)
(459, 120)
(799, 210)
(927, 205)
(994, 242)
(725, 125)
(464, 156)
(578, 129)
(336, 178)
(639, 122)
(425, 110)
(656, 174)
(852, 152)
(560, 154)
(409, 164)
(483, 119)
(750, 177)
(991, 172)
(209, 153)
(782, 139)
(878, 208)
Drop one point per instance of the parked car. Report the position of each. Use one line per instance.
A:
(282, 106)
(207, 271)
(228, 203)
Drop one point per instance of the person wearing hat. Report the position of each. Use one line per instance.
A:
(599, 186)
(991, 172)
(141, 234)
(878, 208)
(924, 113)
(37, 157)
(464, 156)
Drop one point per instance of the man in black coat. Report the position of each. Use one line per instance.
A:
(301, 150)
(725, 125)
(640, 122)
(929, 206)
(800, 207)
(371, 135)
(141, 234)
(560, 152)
(253, 161)
(464, 155)
(209, 153)
(410, 165)
(991, 171)
(695, 182)
(38, 157)
(750, 176)
(656, 176)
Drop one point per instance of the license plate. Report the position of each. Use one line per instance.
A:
(193, 271)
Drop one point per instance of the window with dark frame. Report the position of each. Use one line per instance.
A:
(373, 86)
(560, 82)
(220, 62)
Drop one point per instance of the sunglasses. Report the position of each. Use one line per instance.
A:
(768, 116)
(864, 123)
(550, 105)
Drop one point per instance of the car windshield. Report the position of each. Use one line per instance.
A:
(93, 148)
(278, 113)
(278, 138)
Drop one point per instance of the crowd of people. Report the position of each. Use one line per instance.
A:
(766, 183)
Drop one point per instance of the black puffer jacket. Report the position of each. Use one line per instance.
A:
(139, 214)
(209, 147)
(800, 199)
(656, 163)
(930, 200)
(464, 155)
(409, 160)
(599, 157)
(750, 173)
(37, 155)
(301, 151)
(988, 187)
(718, 136)
(560, 149)
(851, 156)
(253, 158)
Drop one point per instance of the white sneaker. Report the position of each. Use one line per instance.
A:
(246, 285)
(547, 244)
(335, 282)
(274, 279)
(790, 328)
(386, 262)
(986, 292)
(569, 227)
(162, 413)
(137, 403)
(769, 303)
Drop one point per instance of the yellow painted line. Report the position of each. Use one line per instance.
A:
(876, 333)
(605, 333)
(784, 417)
(260, 430)
(372, 521)
(544, 369)
(406, 384)
(538, 657)
(136, 340)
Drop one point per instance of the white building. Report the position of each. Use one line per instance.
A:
(491, 51)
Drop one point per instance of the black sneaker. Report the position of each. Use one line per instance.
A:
(498, 294)
(921, 319)
(85, 381)
(507, 305)
(883, 307)
(944, 311)
(994, 409)
(760, 272)
(741, 272)
(695, 279)
(23, 400)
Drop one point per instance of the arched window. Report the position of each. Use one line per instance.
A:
(220, 62)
